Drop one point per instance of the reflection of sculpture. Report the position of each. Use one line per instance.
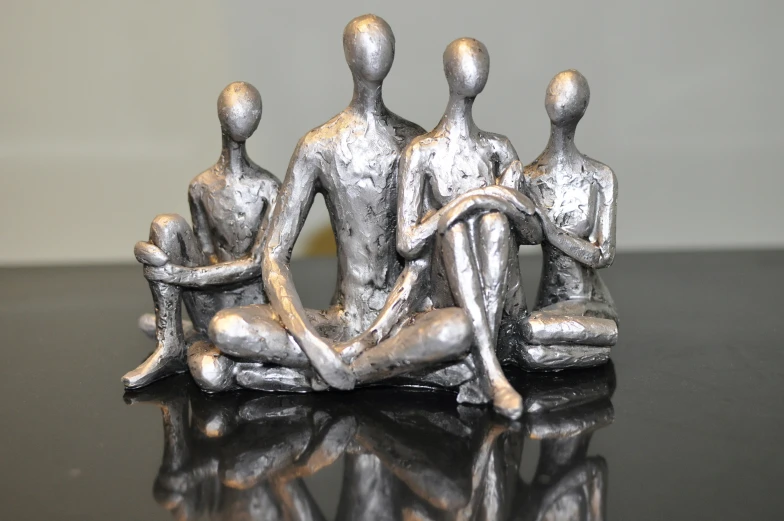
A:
(575, 321)
(209, 267)
(427, 228)
(406, 455)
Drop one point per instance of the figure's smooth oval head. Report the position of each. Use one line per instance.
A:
(239, 110)
(369, 46)
(466, 66)
(567, 97)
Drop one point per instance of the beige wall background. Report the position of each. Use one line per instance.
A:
(108, 108)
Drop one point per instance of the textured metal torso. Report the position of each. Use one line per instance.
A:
(233, 208)
(357, 158)
(568, 191)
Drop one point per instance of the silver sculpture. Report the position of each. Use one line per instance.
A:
(427, 227)
(352, 161)
(216, 264)
(405, 455)
(575, 322)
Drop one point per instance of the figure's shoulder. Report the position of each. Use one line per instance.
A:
(498, 143)
(320, 137)
(602, 173)
(202, 182)
(421, 147)
(405, 130)
(264, 176)
(536, 170)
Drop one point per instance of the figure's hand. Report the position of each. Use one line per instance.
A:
(356, 346)
(328, 363)
(149, 254)
(168, 273)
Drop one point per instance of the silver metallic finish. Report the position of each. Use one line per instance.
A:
(352, 161)
(444, 177)
(427, 227)
(217, 263)
(575, 322)
(237, 456)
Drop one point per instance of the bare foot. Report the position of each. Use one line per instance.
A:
(160, 364)
(507, 402)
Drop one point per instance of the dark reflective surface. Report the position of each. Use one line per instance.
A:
(697, 430)
(410, 455)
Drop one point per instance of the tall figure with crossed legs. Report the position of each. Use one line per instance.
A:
(575, 322)
(217, 263)
(472, 263)
(352, 160)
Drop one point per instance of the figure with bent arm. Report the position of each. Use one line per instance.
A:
(217, 263)
(446, 186)
(575, 322)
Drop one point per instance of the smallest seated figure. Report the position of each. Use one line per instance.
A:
(574, 323)
(217, 264)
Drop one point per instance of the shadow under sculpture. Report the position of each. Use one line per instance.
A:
(408, 455)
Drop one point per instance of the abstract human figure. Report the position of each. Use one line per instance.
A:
(217, 263)
(574, 323)
(352, 161)
(477, 251)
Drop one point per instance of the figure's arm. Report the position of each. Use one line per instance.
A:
(412, 236)
(599, 250)
(604, 229)
(294, 202)
(530, 230)
(222, 273)
(201, 227)
(506, 157)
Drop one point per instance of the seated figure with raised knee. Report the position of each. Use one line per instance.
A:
(447, 176)
(574, 323)
(217, 263)
(352, 160)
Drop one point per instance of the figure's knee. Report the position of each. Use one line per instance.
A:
(248, 332)
(495, 225)
(453, 331)
(212, 371)
(167, 231)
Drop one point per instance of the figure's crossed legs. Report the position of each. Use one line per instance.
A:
(476, 257)
(173, 235)
(570, 333)
(253, 349)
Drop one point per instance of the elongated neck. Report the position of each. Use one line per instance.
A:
(561, 144)
(458, 117)
(233, 156)
(367, 97)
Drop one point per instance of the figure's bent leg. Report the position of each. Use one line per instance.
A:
(254, 334)
(147, 325)
(568, 334)
(493, 255)
(547, 328)
(442, 335)
(465, 281)
(247, 340)
(172, 234)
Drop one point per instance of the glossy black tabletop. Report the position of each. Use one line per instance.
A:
(686, 423)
